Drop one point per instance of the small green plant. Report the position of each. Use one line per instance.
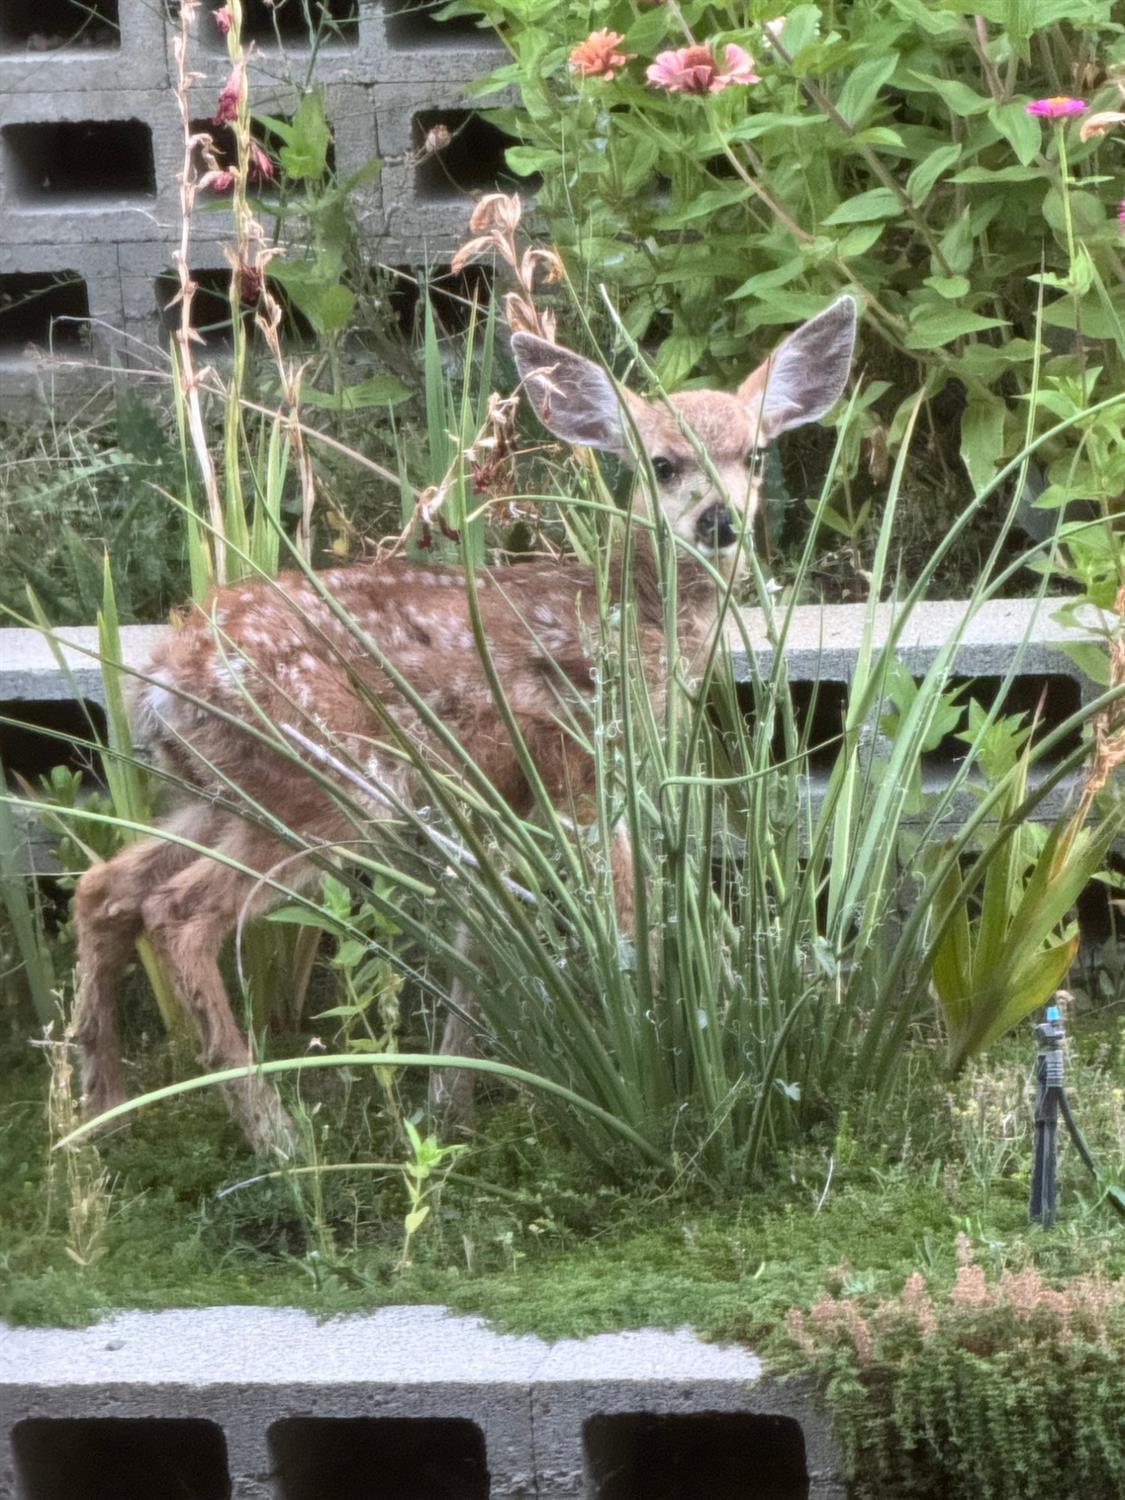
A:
(989, 1390)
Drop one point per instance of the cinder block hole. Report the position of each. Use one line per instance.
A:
(36, 734)
(1099, 921)
(210, 311)
(378, 1458)
(291, 23)
(724, 1456)
(51, 308)
(57, 163)
(414, 23)
(1047, 699)
(473, 161)
(224, 150)
(451, 295)
(120, 1458)
(49, 25)
(820, 711)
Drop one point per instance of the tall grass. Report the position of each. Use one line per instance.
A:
(785, 924)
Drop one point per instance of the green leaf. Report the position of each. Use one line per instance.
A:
(702, 204)
(957, 245)
(1090, 658)
(949, 286)
(999, 174)
(859, 240)
(647, 31)
(525, 161)
(982, 439)
(863, 84)
(766, 281)
(376, 390)
(1019, 129)
(927, 172)
(878, 135)
(876, 203)
(958, 97)
(307, 153)
(935, 21)
(933, 325)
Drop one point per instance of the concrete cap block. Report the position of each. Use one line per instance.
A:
(291, 1397)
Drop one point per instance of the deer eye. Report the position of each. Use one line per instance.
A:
(664, 469)
(756, 462)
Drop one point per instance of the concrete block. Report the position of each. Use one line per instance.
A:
(90, 167)
(427, 200)
(55, 333)
(351, 118)
(271, 1403)
(664, 1416)
(123, 42)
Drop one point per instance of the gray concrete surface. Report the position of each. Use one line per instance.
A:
(116, 226)
(433, 1404)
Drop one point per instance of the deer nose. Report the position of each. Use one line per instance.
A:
(714, 527)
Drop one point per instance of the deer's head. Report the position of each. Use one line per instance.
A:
(709, 503)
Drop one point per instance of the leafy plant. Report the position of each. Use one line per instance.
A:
(883, 147)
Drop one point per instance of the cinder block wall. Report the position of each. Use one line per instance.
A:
(91, 144)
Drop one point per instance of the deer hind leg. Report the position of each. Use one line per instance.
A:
(107, 909)
(187, 919)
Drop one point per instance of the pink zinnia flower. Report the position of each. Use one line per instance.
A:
(1056, 108)
(598, 57)
(694, 70)
(1121, 214)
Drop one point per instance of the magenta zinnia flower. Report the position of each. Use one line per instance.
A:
(1056, 108)
(694, 70)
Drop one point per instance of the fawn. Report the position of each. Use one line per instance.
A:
(272, 652)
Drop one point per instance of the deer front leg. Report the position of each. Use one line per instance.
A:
(453, 1090)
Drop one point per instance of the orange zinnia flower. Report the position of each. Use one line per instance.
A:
(598, 57)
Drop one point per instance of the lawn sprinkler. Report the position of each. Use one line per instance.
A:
(1050, 1102)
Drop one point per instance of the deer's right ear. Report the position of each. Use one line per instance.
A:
(573, 397)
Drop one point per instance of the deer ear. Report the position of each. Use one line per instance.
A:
(573, 397)
(805, 375)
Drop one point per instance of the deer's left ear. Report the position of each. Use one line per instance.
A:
(805, 375)
(573, 397)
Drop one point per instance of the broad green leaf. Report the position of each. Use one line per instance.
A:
(647, 31)
(927, 17)
(876, 203)
(878, 135)
(525, 161)
(306, 155)
(982, 439)
(1090, 658)
(862, 87)
(859, 240)
(932, 325)
(1019, 129)
(949, 286)
(766, 281)
(957, 246)
(959, 98)
(927, 172)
